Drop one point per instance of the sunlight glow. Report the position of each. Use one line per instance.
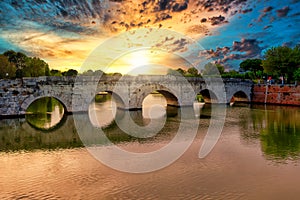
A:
(139, 59)
(135, 63)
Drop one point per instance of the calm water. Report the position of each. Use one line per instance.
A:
(257, 156)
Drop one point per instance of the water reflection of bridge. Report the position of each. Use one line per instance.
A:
(275, 129)
(76, 94)
(17, 134)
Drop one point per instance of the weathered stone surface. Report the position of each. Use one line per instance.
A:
(76, 93)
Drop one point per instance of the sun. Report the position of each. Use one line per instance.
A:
(144, 62)
(133, 63)
(139, 59)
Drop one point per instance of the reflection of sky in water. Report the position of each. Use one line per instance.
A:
(102, 114)
(56, 117)
(154, 106)
(197, 108)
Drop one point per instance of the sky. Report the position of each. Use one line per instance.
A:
(120, 35)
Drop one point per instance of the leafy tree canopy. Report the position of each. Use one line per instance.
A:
(282, 61)
(211, 69)
(7, 69)
(193, 71)
(253, 65)
(27, 66)
(70, 72)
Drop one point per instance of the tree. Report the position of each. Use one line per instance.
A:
(88, 73)
(7, 69)
(36, 67)
(70, 72)
(220, 68)
(232, 74)
(18, 59)
(181, 71)
(173, 72)
(99, 73)
(297, 75)
(282, 61)
(177, 72)
(27, 66)
(253, 65)
(211, 69)
(55, 72)
(193, 71)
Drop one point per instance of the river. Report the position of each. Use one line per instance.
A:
(256, 157)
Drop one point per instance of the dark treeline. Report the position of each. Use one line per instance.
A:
(16, 65)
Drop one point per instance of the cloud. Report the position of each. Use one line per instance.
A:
(246, 48)
(267, 27)
(219, 52)
(246, 11)
(264, 13)
(250, 47)
(175, 6)
(283, 12)
(217, 20)
(261, 16)
(173, 44)
(198, 29)
(267, 9)
(224, 5)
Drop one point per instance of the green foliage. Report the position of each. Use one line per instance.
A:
(17, 58)
(27, 66)
(173, 72)
(88, 73)
(7, 69)
(211, 69)
(181, 71)
(253, 65)
(193, 71)
(55, 72)
(116, 74)
(36, 67)
(99, 73)
(220, 68)
(199, 98)
(282, 61)
(297, 75)
(70, 72)
(233, 74)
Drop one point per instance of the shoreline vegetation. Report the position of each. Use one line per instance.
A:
(279, 65)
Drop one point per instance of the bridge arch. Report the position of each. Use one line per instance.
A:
(116, 96)
(142, 92)
(240, 96)
(28, 101)
(208, 96)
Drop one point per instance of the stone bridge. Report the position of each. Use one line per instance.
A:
(76, 93)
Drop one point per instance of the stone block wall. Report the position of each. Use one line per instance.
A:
(276, 94)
